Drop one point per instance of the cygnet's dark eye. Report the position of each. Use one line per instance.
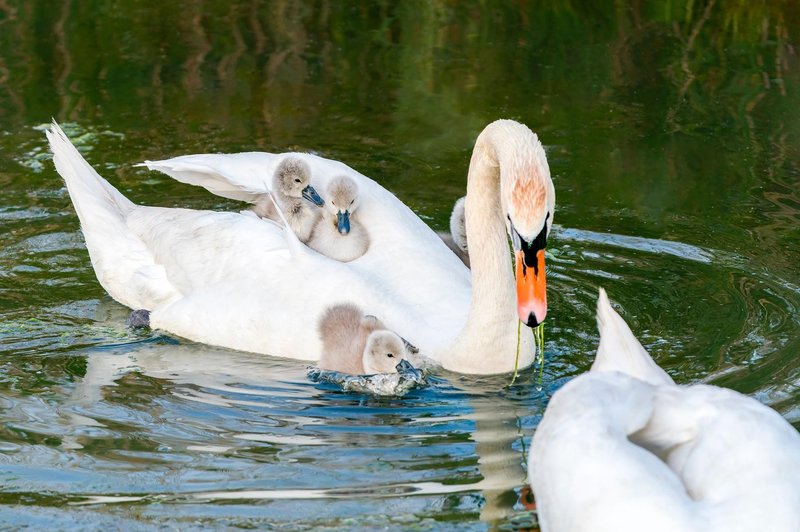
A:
(389, 355)
(352, 202)
(297, 180)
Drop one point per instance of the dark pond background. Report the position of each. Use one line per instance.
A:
(672, 131)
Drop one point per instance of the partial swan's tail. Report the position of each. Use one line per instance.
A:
(121, 261)
(90, 193)
(619, 350)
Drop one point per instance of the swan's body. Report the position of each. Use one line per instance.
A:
(357, 344)
(622, 448)
(456, 239)
(234, 281)
(294, 195)
(338, 233)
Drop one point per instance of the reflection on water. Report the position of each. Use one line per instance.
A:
(672, 135)
(189, 424)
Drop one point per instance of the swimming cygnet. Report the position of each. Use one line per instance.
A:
(296, 197)
(456, 239)
(336, 235)
(359, 344)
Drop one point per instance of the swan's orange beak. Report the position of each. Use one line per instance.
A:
(531, 289)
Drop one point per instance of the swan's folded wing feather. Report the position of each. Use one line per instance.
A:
(713, 437)
(407, 272)
(240, 176)
(585, 472)
(730, 451)
(201, 248)
(619, 350)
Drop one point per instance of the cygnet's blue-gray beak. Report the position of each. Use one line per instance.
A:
(404, 366)
(343, 222)
(311, 195)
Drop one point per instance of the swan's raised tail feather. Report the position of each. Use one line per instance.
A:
(123, 264)
(619, 350)
(83, 183)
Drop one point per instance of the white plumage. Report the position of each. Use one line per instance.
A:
(236, 281)
(622, 448)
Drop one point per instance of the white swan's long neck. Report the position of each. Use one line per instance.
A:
(488, 342)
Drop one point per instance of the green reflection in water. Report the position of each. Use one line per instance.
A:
(676, 122)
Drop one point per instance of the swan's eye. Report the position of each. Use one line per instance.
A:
(297, 180)
(352, 202)
(389, 355)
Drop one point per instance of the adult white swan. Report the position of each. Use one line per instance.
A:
(236, 281)
(623, 448)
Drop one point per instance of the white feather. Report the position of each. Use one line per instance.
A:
(619, 350)
(233, 280)
(622, 448)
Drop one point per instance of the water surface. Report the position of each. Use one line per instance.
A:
(672, 135)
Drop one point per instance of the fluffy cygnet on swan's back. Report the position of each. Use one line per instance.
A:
(296, 197)
(338, 234)
(456, 239)
(358, 344)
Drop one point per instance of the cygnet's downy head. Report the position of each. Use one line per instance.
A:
(342, 193)
(292, 178)
(384, 350)
(458, 224)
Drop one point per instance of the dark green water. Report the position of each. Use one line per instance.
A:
(673, 135)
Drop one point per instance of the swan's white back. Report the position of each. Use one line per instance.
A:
(586, 474)
(624, 448)
(237, 281)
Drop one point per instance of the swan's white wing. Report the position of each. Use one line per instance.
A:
(393, 227)
(728, 448)
(202, 248)
(619, 350)
(243, 288)
(614, 452)
(246, 176)
(405, 261)
(585, 472)
(729, 463)
(239, 176)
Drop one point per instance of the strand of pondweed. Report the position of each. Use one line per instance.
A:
(516, 360)
(538, 333)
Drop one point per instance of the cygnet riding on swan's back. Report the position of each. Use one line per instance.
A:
(623, 448)
(357, 344)
(338, 234)
(456, 239)
(294, 194)
(234, 281)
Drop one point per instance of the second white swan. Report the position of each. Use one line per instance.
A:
(623, 448)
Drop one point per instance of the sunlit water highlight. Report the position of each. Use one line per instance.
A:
(113, 419)
(677, 178)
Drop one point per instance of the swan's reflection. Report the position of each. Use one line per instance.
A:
(411, 432)
(496, 428)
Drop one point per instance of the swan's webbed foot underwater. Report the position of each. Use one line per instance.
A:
(139, 319)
